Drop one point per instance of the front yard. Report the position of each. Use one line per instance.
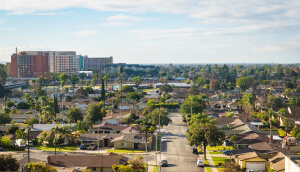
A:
(221, 148)
(125, 151)
(218, 160)
(62, 148)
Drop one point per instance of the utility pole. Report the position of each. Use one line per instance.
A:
(146, 151)
(160, 137)
(98, 142)
(28, 131)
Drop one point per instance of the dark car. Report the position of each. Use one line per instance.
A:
(82, 147)
(227, 152)
(195, 151)
(1, 148)
(164, 163)
(184, 119)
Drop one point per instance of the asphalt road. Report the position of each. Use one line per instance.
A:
(176, 150)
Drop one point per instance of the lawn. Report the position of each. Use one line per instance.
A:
(146, 90)
(281, 132)
(218, 148)
(125, 151)
(218, 160)
(62, 148)
(207, 166)
(156, 169)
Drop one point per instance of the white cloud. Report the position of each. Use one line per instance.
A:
(84, 33)
(123, 17)
(50, 13)
(9, 29)
(2, 20)
(213, 11)
(117, 23)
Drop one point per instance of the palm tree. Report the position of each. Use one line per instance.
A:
(47, 112)
(21, 135)
(56, 131)
(44, 100)
(74, 80)
(43, 138)
(293, 102)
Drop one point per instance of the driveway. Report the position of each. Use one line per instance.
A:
(176, 150)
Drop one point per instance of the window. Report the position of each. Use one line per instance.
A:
(93, 168)
(123, 144)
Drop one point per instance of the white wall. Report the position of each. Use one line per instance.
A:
(290, 165)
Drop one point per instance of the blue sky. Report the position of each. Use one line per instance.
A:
(156, 31)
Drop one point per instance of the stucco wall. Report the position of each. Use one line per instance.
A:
(118, 145)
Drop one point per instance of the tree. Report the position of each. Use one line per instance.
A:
(103, 92)
(135, 96)
(106, 79)
(205, 134)
(161, 114)
(122, 168)
(166, 88)
(23, 105)
(40, 167)
(193, 90)
(137, 81)
(47, 113)
(63, 79)
(42, 80)
(200, 82)
(12, 129)
(95, 113)
(244, 83)
(127, 88)
(75, 114)
(274, 102)
(41, 93)
(4, 118)
(8, 163)
(293, 102)
(6, 141)
(234, 138)
(3, 75)
(33, 121)
(21, 135)
(74, 80)
(283, 112)
(194, 104)
(55, 105)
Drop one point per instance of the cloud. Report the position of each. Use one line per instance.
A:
(2, 20)
(116, 23)
(50, 13)
(9, 29)
(212, 12)
(84, 33)
(123, 17)
(292, 44)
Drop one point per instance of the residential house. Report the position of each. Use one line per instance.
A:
(3, 130)
(292, 163)
(251, 161)
(233, 105)
(136, 129)
(20, 118)
(107, 128)
(277, 162)
(126, 105)
(228, 122)
(97, 163)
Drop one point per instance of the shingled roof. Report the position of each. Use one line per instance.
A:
(105, 160)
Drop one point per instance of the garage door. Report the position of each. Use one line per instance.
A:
(258, 166)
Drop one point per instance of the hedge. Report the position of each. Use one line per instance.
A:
(167, 105)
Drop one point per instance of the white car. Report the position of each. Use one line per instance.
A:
(200, 162)
(163, 139)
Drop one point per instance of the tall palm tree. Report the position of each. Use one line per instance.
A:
(56, 131)
(74, 80)
(43, 100)
(293, 102)
(21, 135)
(47, 113)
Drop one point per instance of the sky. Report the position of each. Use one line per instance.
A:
(155, 31)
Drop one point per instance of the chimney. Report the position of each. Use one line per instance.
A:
(271, 139)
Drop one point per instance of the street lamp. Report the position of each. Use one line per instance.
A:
(28, 132)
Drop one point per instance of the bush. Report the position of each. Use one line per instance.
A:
(8, 163)
(167, 105)
(28, 112)
(23, 105)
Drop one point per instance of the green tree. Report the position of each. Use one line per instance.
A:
(8, 163)
(293, 103)
(21, 135)
(106, 79)
(244, 83)
(47, 113)
(161, 114)
(166, 88)
(75, 114)
(6, 141)
(204, 135)
(74, 80)
(200, 82)
(193, 90)
(95, 113)
(4, 118)
(194, 104)
(103, 92)
(23, 105)
(55, 105)
(137, 81)
(234, 138)
(3, 75)
(40, 167)
(63, 79)
(283, 112)
(127, 88)
(122, 168)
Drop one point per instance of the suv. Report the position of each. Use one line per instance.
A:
(164, 163)
(195, 150)
(227, 152)
(92, 146)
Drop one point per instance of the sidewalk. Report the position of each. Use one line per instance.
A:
(211, 163)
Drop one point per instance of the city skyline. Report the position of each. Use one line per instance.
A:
(155, 32)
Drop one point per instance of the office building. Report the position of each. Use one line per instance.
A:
(96, 62)
(29, 64)
(64, 62)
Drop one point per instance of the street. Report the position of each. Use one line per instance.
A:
(176, 150)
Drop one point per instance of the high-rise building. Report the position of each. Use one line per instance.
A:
(29, 64)
(97, 62)
(65, 62)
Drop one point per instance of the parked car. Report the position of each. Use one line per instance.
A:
(164, 163)
(163, 139)
(1, 148)
(184, 119)
(187, 130)
(195, 150)
(227, 152)
(92, 146)
(200, 162)
(30, 143)
(20, 143)
(82, 147)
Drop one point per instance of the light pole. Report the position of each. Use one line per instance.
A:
(28, 131)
